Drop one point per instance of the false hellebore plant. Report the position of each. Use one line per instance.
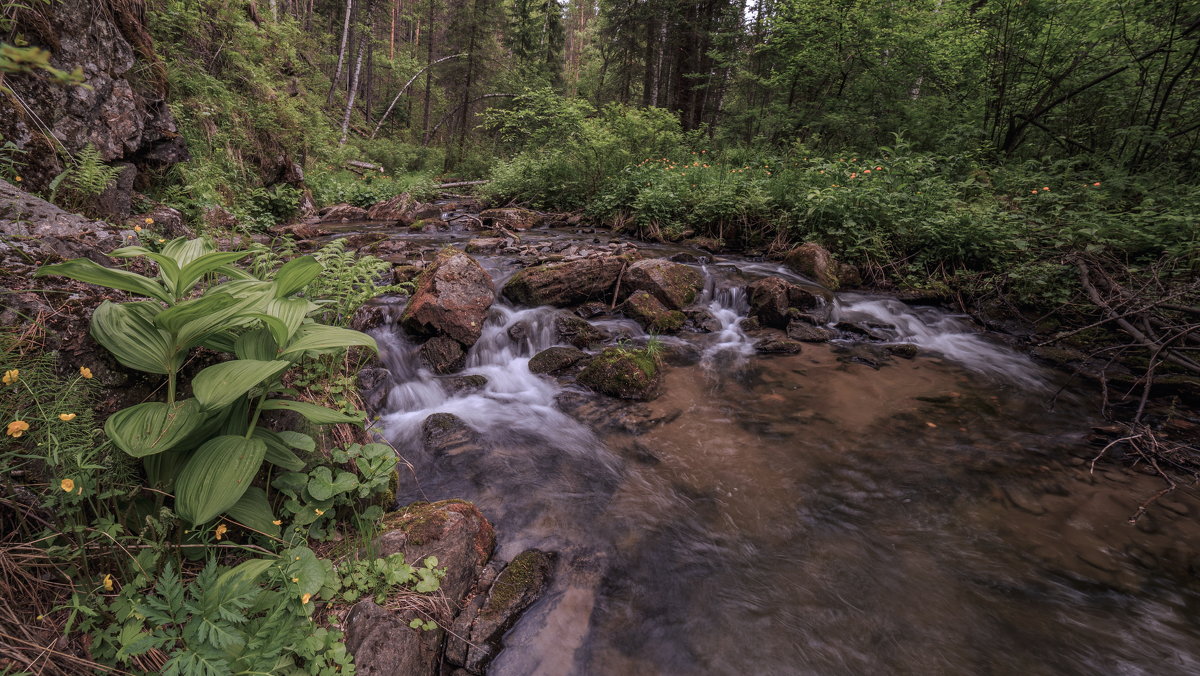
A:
(209, 447)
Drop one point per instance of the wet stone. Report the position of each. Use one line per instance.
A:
(577, 331)
(464, 384)
(555, 359)
(443, 355)
(806, 332)
(447, 434)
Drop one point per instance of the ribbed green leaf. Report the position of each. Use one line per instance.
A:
(278, 453)
(298, 441)
(168, 270)
(312, 412)
(256, 344)
(296, 274)
(185, 251)
(221, 384)
(85, 270)
(253, 511)
(174, 318)
(284, 316)
(153, 427)
(190, 273)
(320, 337)
(216, 477)
(162, 468)
(128, 331)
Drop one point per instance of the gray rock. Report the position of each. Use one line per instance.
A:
(566, 283)
(455, 531)
(384, 645)
(807, 333)
(674, 285)
(577, 331)
(447, 434)
(443, 355)
(555, 359)
(772, 297)
(702, 319)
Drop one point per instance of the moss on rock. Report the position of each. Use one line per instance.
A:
(624, 373)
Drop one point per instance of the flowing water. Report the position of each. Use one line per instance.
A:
(831, 512)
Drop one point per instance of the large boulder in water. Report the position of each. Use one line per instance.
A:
(674, 285)
(623, 373)
(770, 298)
(443, 355)
(578, 331)
(452, 299)
(555, 359)
(454, 531)
(815, 262)
(646, 310)
(566, 283)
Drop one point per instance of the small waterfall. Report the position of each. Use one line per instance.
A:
(947, 334)
(729, 305)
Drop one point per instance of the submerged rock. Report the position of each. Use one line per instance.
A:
(771, 297)
(452, 299)
(566, 283)
(555, 359)
(624, 373)
(481, 627)
(808, 333)
(648, 311)
(447, 434)
(702, 319)
(465, 384)
(815, 262)
(674, 285)
(773, 342)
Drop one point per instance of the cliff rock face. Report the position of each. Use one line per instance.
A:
(123, 110)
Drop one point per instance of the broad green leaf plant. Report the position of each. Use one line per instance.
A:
(209, 447)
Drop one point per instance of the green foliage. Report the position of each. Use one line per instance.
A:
(314, 499)
(330, 186)
(16, 60)
(209, 447)
(86, 176)
(378, 579)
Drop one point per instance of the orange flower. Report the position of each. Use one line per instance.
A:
(1047, 188)
(1034, 191)
(306, 598)
(16, 428)
(67, 485)
(137, 228)
(108, 583)
(149, 221)
(85, 372)
(18, 179)
(866, 171)
(1097, 184)
(11, 376)
(220, 531)
(66, 417)
(878, 168)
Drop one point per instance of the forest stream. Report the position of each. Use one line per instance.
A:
(841, 510)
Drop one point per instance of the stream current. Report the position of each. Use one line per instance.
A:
(830, 512)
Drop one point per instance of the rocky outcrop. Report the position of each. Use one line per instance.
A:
(674, 285)
(567, 283)
(815, 262)
(384, 645)
(33, 230)
(452, 299)
(122, 111)
(555, 359)
(398, 208)
(623, 373)
(454, 531)
(648, 311)
(511, 218)
(771, 297)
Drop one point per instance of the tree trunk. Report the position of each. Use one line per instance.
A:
(337, 73)
(358, 61)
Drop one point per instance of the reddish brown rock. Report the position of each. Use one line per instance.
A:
(566, 283)
(815, 262)
(674, 285)
(452, 299)
(341, 213)
(770, 298)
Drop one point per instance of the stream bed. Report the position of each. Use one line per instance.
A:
(837, 511)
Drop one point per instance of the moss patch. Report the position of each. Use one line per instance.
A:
(624, 373)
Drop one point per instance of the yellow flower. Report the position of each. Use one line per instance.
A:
(85, 372)
(16, 428)
(66, 417)
(220, 531)
(67, 485)
(295, 579)
(318, 511)
(161, 241)
(12, 376)
(306, 598)
(277, 522)
(108, 582)
(149, 221)
(18, 179)
(137, 228)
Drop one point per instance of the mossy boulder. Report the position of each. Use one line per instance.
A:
(566, 283)
(772, 297)
(815, 262)
(674, 285)
(648, 311)
(624, 373)
(455, 531)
